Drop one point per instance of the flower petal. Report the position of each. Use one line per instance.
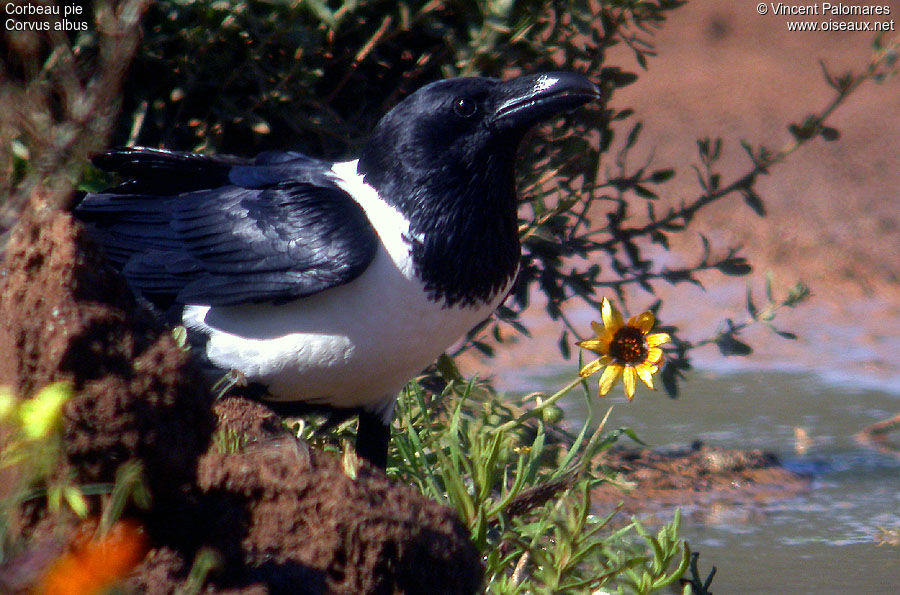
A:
(645, 373)
(644, 321)
(592, 344)
(598, 345)
(594, 367)
(628, 378)
(657, 339)
(654, 355)
(612, 318)
(609, 377)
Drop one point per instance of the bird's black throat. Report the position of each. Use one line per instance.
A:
(463, 224)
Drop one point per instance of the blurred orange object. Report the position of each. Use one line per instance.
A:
(94, 565)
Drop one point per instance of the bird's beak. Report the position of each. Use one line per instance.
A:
(527, 100)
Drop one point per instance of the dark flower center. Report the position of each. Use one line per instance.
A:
(628, 346)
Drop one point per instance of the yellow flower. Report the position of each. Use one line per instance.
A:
(625, 349)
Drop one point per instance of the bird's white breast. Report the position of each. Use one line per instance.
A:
(349, 346)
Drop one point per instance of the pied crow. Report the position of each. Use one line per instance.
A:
(335, 283)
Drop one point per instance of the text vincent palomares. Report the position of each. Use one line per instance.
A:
(827, 8)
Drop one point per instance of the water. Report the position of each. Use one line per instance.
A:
(825, 541)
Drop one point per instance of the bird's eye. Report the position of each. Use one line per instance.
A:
(465, 107)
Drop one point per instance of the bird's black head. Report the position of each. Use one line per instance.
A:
(453, 127)
(444, 157)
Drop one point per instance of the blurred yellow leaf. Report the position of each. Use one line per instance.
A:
(42, 414)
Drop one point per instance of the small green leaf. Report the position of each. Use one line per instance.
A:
(735, 266)
(657, 237)
(76, 501)
(319, 8)
(703, 147)
(179, 333)
(350, 462)
(830, 134)
(728, 344)
(662, 175)
(448, 369)
(644, 192)
(785, 334)
(751, 307)
(806, 129)
(564, 347)
(669, 378)
(483, 348)
(754, 201)
(633, 135)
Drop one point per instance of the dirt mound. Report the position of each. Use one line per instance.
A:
(65, 316)
(281, 518)
(308, 527)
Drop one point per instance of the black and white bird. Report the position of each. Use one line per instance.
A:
(335, 283)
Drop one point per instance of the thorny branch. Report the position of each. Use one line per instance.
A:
(59, 100)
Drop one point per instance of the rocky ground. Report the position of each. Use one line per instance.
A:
(701, 480)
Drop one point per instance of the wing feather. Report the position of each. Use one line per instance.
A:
(271, 230)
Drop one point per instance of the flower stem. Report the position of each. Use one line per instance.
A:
(540, 408)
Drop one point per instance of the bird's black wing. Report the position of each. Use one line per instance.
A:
(219, 231)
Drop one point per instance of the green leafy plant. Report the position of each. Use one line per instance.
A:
(523, 486)
(228, 440)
